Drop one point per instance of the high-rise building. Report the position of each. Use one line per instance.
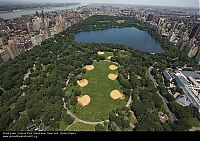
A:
(3, 56)
(173, 37)
(37, 22)
(195, 31)
(150, 17)
(1, 41)
(11, 48)
(161, 21)
(36, 40)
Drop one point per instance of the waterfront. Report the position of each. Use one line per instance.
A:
(17, 14)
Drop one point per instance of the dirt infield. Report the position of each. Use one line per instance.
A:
(82, 83)
(115, 94)
(100, 53)
(109, 57)
(113, 67)
(84, 100)
(112, 76)
(89, 67)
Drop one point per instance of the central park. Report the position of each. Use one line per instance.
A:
(65, 84)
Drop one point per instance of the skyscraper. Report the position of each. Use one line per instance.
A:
(195, 31)
(150, 17)
(11, 48)
(3, 56)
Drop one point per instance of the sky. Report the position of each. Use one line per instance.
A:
(180, 3)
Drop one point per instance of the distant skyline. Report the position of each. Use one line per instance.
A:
(179, 3)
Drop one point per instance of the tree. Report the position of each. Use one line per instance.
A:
(32, 113)
(154, 71)
(46, 118)
(127, 92)
(68, 118)
(100, 127)
(73, 101)
(5, 120)
(113, 127)
(112, 116)
(135, 81)
(14, 114)
(125, 83)
(1, 91)
(77, 92)
(21, 124)
(27, 81)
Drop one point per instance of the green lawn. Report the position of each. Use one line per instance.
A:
(194, 122)
(128, 129)
(81, 127)
(62, 123)
(107, 54)
(98, 88)
(132, 119)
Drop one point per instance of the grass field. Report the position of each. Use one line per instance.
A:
(98, 89)
(62, 123)
(195, 122)
(132, 120)
(81, 127)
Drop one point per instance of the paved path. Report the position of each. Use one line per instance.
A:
(80, 120)
(129, 101)
(172, 116)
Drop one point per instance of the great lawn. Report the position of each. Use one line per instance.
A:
(81, 127)
(99, 88)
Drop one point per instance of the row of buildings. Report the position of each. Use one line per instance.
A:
(189, 82)
(180, 26)
(21, 34)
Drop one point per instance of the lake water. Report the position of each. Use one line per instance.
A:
(129, 36)
(17, 14)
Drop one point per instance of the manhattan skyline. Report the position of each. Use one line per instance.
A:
(182, 3)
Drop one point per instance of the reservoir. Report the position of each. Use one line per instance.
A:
(129, 36)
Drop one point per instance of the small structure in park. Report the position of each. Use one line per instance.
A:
(84, 100)
(82, 83)
(163, 117)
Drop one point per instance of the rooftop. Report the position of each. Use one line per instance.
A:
(167, 75)
(183, 100)
(181, 80)
(192, 74)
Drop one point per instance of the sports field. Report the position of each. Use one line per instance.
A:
(99, 88)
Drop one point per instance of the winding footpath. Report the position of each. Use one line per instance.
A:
(171, 115)
(80, 120)
(129, 101)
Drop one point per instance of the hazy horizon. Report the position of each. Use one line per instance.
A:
(182, 3)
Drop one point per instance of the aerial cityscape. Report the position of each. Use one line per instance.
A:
(104, 66)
